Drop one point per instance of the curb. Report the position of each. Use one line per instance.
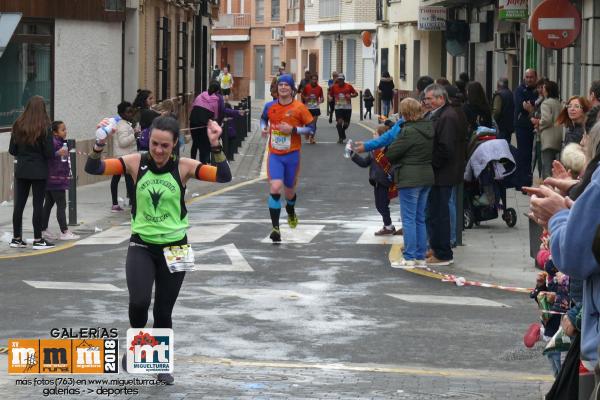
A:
(395, 256)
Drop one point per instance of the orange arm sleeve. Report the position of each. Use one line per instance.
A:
(206, 173)
(113, 166)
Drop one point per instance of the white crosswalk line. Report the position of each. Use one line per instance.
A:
(250, 294)
(238, 262)
(301, 235)
(447, 300)
(73, 286)
(208, 233)
(114, 235)
(368, 237)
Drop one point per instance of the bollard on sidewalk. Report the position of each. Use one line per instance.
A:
(360, 99)
(73, 182)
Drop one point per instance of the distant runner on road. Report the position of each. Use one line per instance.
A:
(341, 93)
(288, 119)
(312, 97)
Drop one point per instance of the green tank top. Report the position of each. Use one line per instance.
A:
(158, 214)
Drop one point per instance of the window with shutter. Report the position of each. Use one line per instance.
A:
(351, 60)
(326, 58)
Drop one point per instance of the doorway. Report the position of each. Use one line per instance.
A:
(259, 72)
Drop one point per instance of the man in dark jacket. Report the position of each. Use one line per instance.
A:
(525, 97)
(448, 166)
(503, 110)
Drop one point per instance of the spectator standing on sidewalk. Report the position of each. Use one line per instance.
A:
(572, 117)
(206, 106)
(144, 115)
(476, 108)
(123, 143)
(503, 110)
(383, 185)
(368, 99)
(448, 167)
(550, 134)
(312, 97)
(226, 81)
(215, 73)
(411, 156)
(385, 89)
(525, 97)
(31, 146)
(342, 93)
(59, 177)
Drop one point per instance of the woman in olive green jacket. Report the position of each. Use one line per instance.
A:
(410, 155)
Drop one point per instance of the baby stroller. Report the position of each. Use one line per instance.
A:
(490, 166)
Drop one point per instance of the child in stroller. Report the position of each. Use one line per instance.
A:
(490, 166)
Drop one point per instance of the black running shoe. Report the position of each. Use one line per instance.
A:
(42, 244)
(275, 235)
(17, 243)
(165, 378)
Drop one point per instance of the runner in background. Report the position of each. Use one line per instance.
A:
(342, 93)
(331, 104)
(288, 119)
(312, 97)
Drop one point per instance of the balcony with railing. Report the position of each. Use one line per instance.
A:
(233, 21)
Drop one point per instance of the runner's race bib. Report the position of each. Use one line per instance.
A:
(179, 258)
(280, 141)
(342, 102)
(312, 101)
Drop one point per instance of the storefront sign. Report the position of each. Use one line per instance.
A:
(555, 24)
(432, 18)
(513, 9)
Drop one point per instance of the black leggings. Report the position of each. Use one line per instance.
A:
(144, 267)
(200, 144)
(114, 188)
(22, 187)
(59, 197)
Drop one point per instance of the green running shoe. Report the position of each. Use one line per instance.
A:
(293, 221)
(275, 235)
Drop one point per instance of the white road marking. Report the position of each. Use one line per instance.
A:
(448, 300)
(73, 286)
(204, 233)
(368, 237)
(249, 294)
(114, 235)
(302, 234)
(238, 262)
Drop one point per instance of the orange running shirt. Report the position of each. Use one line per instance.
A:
(296, 114)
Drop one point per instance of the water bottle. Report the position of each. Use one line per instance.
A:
(104, 131)
(65, 158)
(348, 149)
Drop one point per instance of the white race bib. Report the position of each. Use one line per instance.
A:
(280, 141)
(179, 258)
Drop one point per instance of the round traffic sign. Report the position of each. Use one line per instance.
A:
(555, 24)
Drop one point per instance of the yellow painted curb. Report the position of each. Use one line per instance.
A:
(39, 252)
(378, 368)
(366, 127)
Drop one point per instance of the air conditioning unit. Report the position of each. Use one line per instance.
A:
(276, 33)
(506, 41)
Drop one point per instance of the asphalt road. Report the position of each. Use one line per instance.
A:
(322, 315)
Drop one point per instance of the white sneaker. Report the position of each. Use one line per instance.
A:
(68, 235)
(421, 263)
(404, 264)
(49, 235)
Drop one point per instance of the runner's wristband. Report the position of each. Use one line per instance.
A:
(216, 149)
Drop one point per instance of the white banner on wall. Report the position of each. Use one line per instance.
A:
(432, 18)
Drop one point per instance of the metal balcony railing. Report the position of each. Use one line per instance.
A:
(230, 21)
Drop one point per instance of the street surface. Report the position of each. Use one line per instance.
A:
(322, 315)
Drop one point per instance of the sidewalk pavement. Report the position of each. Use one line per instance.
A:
(94, 201)
(491, 252)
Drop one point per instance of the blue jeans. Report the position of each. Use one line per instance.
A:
(387, 104)
(413, 202)
(554, 358)
(452, 205)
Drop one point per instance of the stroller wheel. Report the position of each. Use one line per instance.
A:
(467, 218)
(510, 217)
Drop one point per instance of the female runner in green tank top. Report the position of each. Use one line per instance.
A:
(158, 216)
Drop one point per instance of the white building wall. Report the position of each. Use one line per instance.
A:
(132, 68)
(87, 74)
